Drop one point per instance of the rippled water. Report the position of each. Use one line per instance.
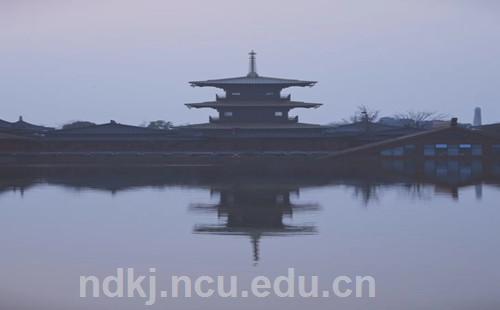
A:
(431, 244)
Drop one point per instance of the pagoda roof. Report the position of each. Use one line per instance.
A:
(252, 78)
(262, 231)
(265, 126)
(250, 103)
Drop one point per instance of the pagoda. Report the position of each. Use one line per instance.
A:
(255, 209)
(253, 99)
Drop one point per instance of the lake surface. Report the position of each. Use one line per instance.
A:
(430, 244)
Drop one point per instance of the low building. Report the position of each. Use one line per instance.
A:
(21, 126)
(490, 129)
(446, 142)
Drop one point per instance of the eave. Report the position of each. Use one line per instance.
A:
(287, 104)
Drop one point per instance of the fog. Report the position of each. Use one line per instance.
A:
(130, 61)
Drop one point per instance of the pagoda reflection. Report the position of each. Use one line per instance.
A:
(255, 210)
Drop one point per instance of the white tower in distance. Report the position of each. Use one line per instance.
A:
(477, 117)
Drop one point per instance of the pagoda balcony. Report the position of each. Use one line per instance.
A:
(265, 98)
(214, 119)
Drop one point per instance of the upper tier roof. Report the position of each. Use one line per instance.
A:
(252, 78)
(247, 80)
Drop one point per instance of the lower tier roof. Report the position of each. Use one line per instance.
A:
(250, 126)
(247, 104)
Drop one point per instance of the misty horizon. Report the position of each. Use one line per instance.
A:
(131, 61)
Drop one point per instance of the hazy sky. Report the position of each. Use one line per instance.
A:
(130, 60)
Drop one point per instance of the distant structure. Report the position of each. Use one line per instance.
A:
(477, 117)
(253, 99)
(22, 126)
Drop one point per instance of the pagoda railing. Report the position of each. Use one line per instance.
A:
(263, 98)
(295, 119)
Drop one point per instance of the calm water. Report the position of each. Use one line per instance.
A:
(432, 244)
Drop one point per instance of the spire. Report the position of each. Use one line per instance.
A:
(252, 72)
(255, 239)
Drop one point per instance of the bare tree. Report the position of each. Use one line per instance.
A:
(420, 117)
(364, 114)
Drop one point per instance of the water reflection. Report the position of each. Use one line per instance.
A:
(254, 209)
(256, 188)
(447, 176)
(405, 245)
(257, 204)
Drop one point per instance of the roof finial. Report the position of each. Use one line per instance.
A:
(252, 72)
(255, 239)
